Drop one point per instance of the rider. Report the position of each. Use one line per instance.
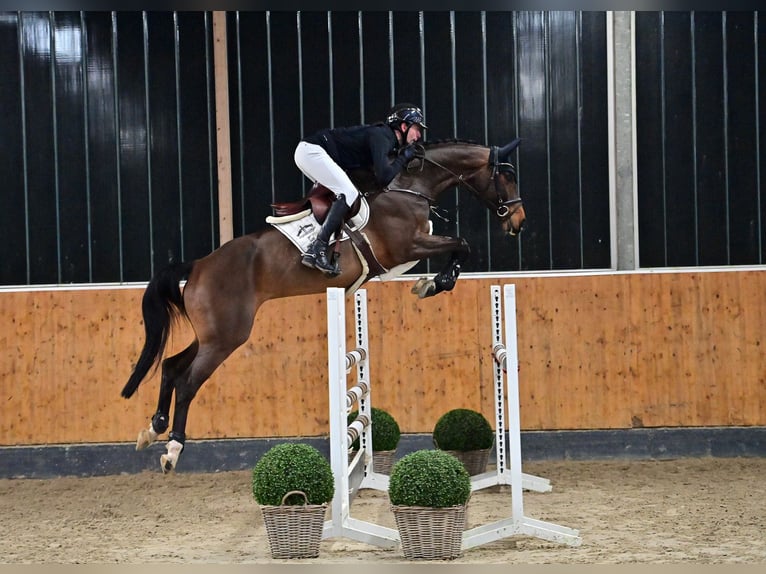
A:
(327, 155)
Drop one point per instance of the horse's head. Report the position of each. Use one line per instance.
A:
(486, 172)
(510, 209)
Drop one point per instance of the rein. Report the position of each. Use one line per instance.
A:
(431, 202)
(502, 208)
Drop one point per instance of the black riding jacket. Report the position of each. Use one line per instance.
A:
(362, 146)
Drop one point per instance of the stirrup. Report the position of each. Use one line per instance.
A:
(331, 270)
(314, 256)
(309, 260)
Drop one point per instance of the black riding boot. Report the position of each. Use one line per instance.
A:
(317, 255)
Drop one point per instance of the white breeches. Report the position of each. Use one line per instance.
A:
(318, 166)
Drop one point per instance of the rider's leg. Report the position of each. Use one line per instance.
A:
(317, 254)
(317, 165)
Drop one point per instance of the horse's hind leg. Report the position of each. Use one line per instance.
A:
(221, 300)
(186, 386)
(172, 368)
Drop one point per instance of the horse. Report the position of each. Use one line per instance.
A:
(224, 289)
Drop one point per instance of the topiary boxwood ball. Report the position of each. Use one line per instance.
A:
(431, 478)
(463, 430)
(385, 430)
(292, 466)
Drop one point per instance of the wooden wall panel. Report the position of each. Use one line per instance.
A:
(595, 351)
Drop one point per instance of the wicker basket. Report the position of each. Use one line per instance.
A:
(430, 533)
(294, 531)
(474, 461)
(382, 460)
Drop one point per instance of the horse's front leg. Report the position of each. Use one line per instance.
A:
(445, 279)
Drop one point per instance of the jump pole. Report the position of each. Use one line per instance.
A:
(506, 359)
(351, 476)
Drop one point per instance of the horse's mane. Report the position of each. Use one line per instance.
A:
(453, 141)
(364, 179)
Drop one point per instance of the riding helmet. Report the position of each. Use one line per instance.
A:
(407, 113)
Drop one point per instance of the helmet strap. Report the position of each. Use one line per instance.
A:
(404, 132)
(401, 137)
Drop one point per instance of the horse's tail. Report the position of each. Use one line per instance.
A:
(162, 303)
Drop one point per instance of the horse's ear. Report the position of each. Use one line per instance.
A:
(508, 148)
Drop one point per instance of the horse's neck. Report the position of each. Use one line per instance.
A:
(443, 170)
(447, 168)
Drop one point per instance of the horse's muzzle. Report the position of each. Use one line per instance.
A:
(515, 223)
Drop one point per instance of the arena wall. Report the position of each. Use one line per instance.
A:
(596, 351)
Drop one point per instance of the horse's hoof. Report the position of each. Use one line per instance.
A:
(167, 464)
(425, 289)
(169, 460)
(418, 286)
(145, 438)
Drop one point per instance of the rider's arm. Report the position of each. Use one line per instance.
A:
(380, 147)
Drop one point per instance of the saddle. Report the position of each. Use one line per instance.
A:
(318, 201)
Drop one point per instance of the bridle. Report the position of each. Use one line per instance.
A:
(503, 207)
(505, 168)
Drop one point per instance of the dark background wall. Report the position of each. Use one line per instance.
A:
(701, 137)
(108, 150)
(488, 77)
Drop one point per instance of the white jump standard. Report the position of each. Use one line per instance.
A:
(502, 474)
(351, 476)
(506, 361)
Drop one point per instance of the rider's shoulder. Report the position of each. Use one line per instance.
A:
(380, 130)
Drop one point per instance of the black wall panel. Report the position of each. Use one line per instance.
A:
(13, 215)
(534, 176)
(564, 139)
(163, 153)
(71, 161)
(285, 103)
(250, 114)
(196, 132)
(376, 72)
(108, 128)
(102, 148)
(745, 221)
(709, 157)
(322, 68)
(42, 189)
(346, 76)
(593, 181)
(700, 147)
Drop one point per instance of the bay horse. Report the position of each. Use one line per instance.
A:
(225, 288)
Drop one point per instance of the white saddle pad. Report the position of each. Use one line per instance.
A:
(302, 228)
